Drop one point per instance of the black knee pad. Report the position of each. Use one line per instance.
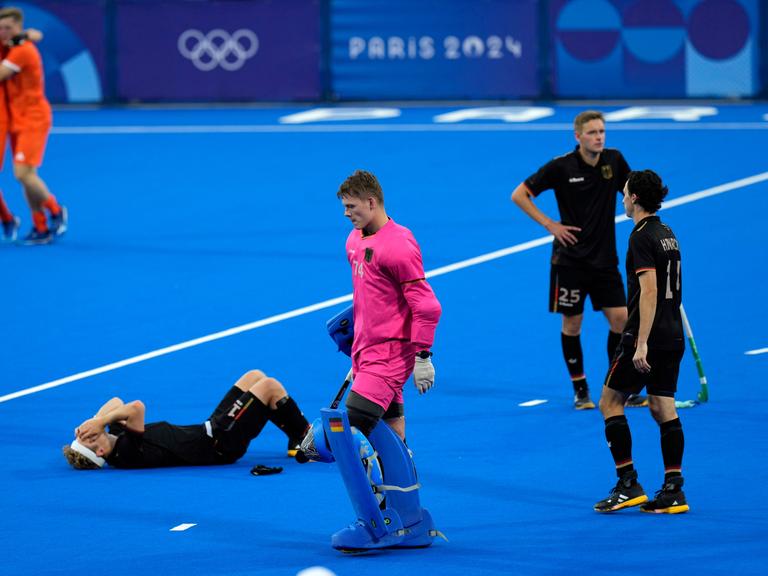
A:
(395, 410)
(362, 413)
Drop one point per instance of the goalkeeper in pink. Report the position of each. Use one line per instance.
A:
(395, 310)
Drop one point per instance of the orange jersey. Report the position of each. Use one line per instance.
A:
(4, 120)
(28, 108)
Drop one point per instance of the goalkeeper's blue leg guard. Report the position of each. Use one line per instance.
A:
(401, 488)
(389, 514)
(360, 471)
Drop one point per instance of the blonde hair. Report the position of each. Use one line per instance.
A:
(75, 459)
(586, 116)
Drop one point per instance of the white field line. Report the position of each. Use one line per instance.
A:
(495, 255)
(530, 403)
(182, 527)
(343, 128)
(756, 352)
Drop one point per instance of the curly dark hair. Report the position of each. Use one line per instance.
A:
(361, 184)
(649, 189)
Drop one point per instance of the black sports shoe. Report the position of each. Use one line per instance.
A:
(626, 493)
(59, 222)
(669, 500)
(35, 238)
(636, 401)
(11, 229)
(582, 401)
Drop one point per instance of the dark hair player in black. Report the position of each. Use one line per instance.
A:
(650, 352)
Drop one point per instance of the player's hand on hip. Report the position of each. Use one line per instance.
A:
(564, 234)
(423, 374)
(640, 359)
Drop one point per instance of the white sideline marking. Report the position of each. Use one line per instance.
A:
(343, 128)
(182, 527)
(177, 347)
(727, 187)
(532, 403)
(756, 352)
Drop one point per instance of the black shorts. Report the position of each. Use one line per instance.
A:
(569, 286)
(660, 381)
(232, 437)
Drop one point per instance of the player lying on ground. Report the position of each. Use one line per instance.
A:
(118, 436)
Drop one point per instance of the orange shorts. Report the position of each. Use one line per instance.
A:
(28, 146)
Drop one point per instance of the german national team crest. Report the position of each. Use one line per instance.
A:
(607, 171)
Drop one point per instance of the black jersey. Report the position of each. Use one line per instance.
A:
(653, 246)
(163, 444)
(586, 197)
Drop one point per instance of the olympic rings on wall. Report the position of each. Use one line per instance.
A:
(218, 48)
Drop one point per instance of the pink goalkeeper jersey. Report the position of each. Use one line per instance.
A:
(392, 300)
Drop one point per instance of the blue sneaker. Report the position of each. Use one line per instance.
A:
(59, 222)
(35, 238)
(11, 229)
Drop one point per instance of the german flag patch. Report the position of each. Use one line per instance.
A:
(336, 424)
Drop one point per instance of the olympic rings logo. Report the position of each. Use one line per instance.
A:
(218, 48)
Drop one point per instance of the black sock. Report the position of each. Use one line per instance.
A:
(289, 418)
(672, 444)
(620, 442)
(574, 361)
(614, 339)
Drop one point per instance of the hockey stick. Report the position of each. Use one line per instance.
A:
(342, 390)
(301, 454)
(703, 395)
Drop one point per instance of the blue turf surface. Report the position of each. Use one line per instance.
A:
(176, 235)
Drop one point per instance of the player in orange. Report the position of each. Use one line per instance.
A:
(10, 222)
(21, 71)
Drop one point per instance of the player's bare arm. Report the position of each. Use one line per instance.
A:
(132, 413)
(5, 72)
(647, 313)
(564, 234)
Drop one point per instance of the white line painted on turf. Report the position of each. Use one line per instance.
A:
(682, 200)
(345, 128)
(756, 352)
(532, 403)
(182, 527)
(181, 346)
(687, 199)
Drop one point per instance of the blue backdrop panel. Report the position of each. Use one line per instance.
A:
(219, 50)
(432, 49)
(73, 48)
(655, 49)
